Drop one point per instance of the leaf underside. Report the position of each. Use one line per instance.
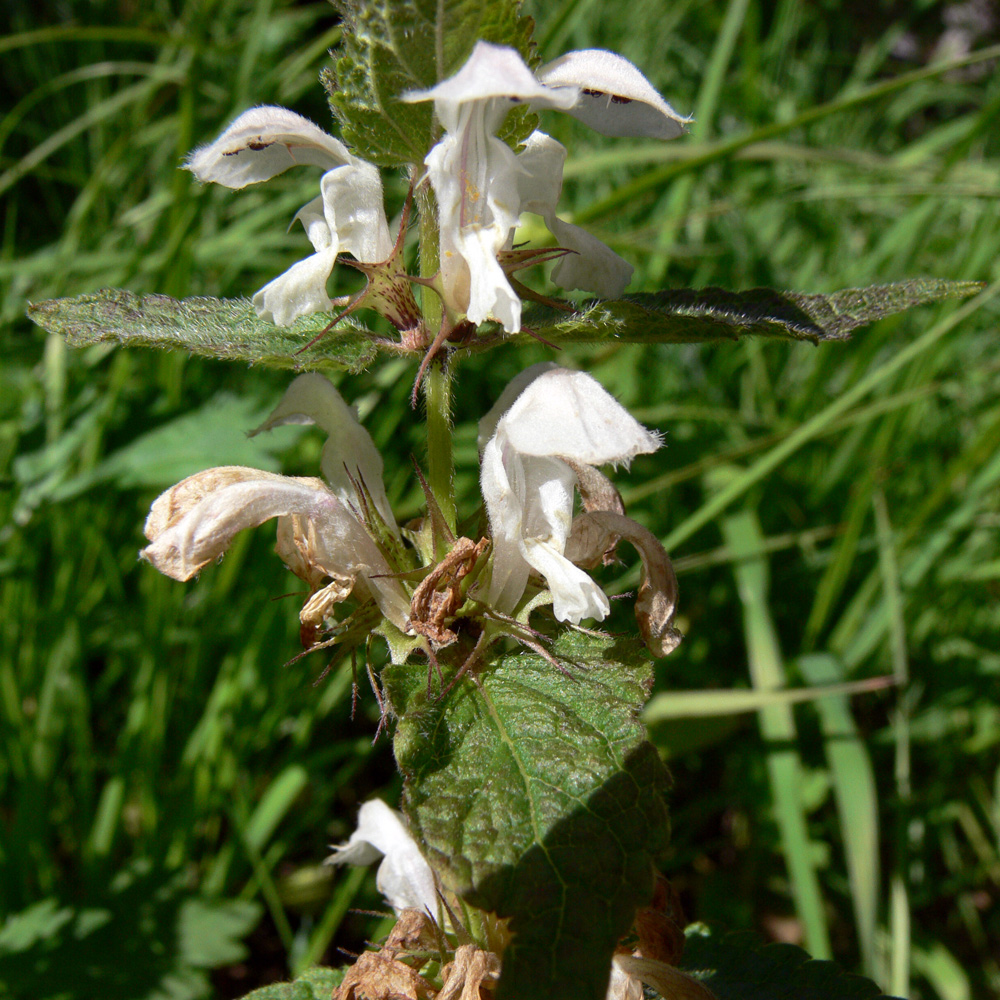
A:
(227, 329)
(391, 48)
(688, 315)
(537, 797)
(740, 967)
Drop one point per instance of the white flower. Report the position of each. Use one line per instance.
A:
(403, 877)
(475, 176)
(482, 186)
(593, 266)
(349, 455)
(548, 420)
(347, 217)
(319, 533)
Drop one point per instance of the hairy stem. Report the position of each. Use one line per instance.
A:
(440, 460)
(430, 254)
(437, 382)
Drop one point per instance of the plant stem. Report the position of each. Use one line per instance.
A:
(440, 460)
(437, 381)
(430, 255)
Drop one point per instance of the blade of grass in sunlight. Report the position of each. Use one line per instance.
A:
(743, 536)
(699, 704)
(945, 973)
(856, 794)
(907, 826)
(865, 622)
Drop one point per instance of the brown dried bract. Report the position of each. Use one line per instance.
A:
(472, 972)
(439, 595)
(660, 929)
(597, 493)
(378, 976)
(413, 931)
(319, 606)
(300, 550)
(593, 532)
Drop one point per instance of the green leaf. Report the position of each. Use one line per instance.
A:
(210, 932)
(390, 47)
(228, 329)
(739, 967)
(537, 797)
(688, 315)
(314, 984)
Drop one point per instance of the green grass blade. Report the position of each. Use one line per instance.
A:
(348, 886)
(743, 536)
(679, 197)
(274, 805)
(854, 788)
(900, 919)
(943, 971)
(109, 809)
(701, 704)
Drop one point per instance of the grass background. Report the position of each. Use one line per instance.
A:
(168, 787)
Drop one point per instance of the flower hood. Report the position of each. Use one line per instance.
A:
(347, 217)
(549, 423)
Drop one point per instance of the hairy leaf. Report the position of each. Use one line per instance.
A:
(227, 329)
(688, 315)
(390, 47)
(536, 795)
(739, 967)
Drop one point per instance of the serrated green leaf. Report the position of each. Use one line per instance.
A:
(688, 315)
(740, 967)
(227, 329)
(536, 795)
(392, 46)
(314, 984)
